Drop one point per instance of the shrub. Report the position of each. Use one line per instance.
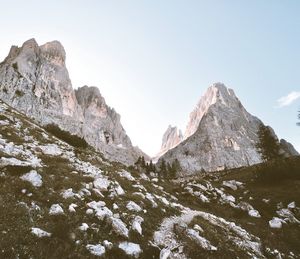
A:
(19, 93)
(65, 136)
(15, 66)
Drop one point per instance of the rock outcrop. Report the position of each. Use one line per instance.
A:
(171, 138)
(220, 134)
(34, 80)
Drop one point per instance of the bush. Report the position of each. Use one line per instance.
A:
(65, 136)
(19, 93)
(15, 66)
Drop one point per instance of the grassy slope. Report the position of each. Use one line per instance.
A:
(16, 219)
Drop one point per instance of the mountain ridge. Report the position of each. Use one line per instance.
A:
(35, 80)
(220, 134)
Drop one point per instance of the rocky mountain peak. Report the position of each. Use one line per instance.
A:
(171, 138)
(54, 51)
(34, 80)
(216, 94)
(220, 134)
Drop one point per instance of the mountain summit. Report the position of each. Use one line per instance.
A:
(220, 134)
(34, 80)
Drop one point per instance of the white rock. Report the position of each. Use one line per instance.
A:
(98, 193)
(154, 180)
(96, 205)
(131, 249)
(126, 175)
(150, 197)
(275, 222)
(132, 206)
(97, 250)
(84, 227)
(33, 177)
(292, 205)
(115, 206)
(201, 241)
(51, 149)
(40, 233)
(198, 228)
(232, 184)
(103, 213)
(56, 209)
(89, 211)
(101, 184)
(119, 227)
(72, 207)
(136, 224)
(68, 193)
(117, 190)
(164, 253)
(254, 213)
(107, 244)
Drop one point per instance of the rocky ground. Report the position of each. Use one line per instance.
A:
(58, 201)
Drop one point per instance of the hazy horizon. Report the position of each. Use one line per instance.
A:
(152, 61)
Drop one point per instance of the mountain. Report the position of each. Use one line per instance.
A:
(220, 134)
(171, 138)
(34, 80)
(61, 201)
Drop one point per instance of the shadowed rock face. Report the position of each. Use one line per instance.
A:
(34, 79)
(220, 134)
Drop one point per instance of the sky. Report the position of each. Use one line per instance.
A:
(152, 60)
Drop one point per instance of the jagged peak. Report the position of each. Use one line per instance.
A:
(30, 43)
(174, 129)
(217, 93)
(54, 49)
(85, 95)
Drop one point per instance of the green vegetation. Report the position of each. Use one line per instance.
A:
(15, 66)
(268, 145)
(278, 170)
(164, 170)
(65, 136)
(19, 93)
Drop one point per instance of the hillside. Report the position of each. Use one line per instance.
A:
(60, 201)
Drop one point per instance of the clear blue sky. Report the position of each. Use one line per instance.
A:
(152, 60)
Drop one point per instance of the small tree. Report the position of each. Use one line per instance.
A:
(163, 168)
(268, 145)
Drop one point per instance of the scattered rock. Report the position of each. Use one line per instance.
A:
(107, 244)
(119, 227)
(132, 206)
(136, 224)
(232, 184)
(40, 233)
(131, 249)
(84, 227)
(254, 213)
(97, 250)
(56, 209)
(33, 177)
(275, 223)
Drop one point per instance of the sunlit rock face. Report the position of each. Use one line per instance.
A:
(34, 79)
(220, 134)
(171, 138)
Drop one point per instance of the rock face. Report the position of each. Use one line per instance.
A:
(171, 138)
(220, 134)
(34, 80)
